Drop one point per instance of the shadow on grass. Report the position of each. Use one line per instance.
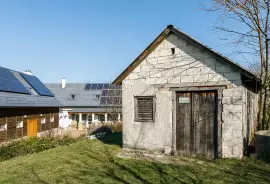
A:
(102, 166)
(112, 138)
(91, 161)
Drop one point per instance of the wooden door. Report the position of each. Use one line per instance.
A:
(32, 128)
(196, 123)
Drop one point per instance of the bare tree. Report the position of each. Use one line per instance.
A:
(252, 40)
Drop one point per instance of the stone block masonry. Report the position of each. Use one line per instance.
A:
(232, 122)
(190, 66)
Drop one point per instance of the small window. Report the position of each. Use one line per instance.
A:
(52, 119)
(73, 117)
(101, 117)
(173, 50)
(43, 120)
(19, 124)
(97, 96)
(72, 97)
(84, 117)
(144, 108)
(3, 127)
(90, 118)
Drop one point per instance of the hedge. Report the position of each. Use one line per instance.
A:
(32, 145)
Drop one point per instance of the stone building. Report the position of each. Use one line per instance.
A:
(181, 97)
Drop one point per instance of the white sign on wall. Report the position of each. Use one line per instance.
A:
(184, 100)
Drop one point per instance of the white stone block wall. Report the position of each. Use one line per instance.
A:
(189, 64)
(232, 122)
(147, 135)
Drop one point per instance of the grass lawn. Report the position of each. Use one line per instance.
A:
(93, 161)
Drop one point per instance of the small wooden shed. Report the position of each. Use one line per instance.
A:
(181, 97)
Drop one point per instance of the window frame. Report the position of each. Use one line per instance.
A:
(5, 127)
(51, 119)
(136, 119)
(21, 124)
(43, 119)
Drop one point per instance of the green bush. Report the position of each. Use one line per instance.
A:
(32, 145)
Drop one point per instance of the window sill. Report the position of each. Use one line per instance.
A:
(143, 121)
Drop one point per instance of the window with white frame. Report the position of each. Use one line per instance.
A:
(43, 120)
(84, 117)
(3, 127)
(19, 124)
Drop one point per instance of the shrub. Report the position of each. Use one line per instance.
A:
(32, 145)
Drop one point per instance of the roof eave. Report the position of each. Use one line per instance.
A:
(143, 55)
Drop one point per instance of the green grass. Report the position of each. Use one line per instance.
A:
(94, 161)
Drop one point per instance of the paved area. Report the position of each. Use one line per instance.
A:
(166, 159)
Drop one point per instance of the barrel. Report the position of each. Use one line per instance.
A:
(262, 145)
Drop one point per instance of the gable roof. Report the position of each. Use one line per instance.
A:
(171, 29)
(83, 96)
(33, 99)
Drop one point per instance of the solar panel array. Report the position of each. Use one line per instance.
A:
(95, 86)
(37, 85)
(111, 96)
(9, 83)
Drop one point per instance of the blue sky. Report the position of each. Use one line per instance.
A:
(92, 41)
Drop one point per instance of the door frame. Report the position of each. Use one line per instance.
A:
(218, 89)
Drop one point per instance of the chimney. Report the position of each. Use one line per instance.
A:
(63, 82)
(29, 72)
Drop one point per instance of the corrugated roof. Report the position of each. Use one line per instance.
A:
(9, 99)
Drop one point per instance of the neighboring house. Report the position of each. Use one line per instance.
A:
(27, 107)
(181, 97)
(85, 103)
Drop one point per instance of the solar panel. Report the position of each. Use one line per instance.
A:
(9, 83)
(106, 86)
(93, 86)
(88, 86)
(100, 86)
(105, 92)
(111, 95)
(37, 85)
